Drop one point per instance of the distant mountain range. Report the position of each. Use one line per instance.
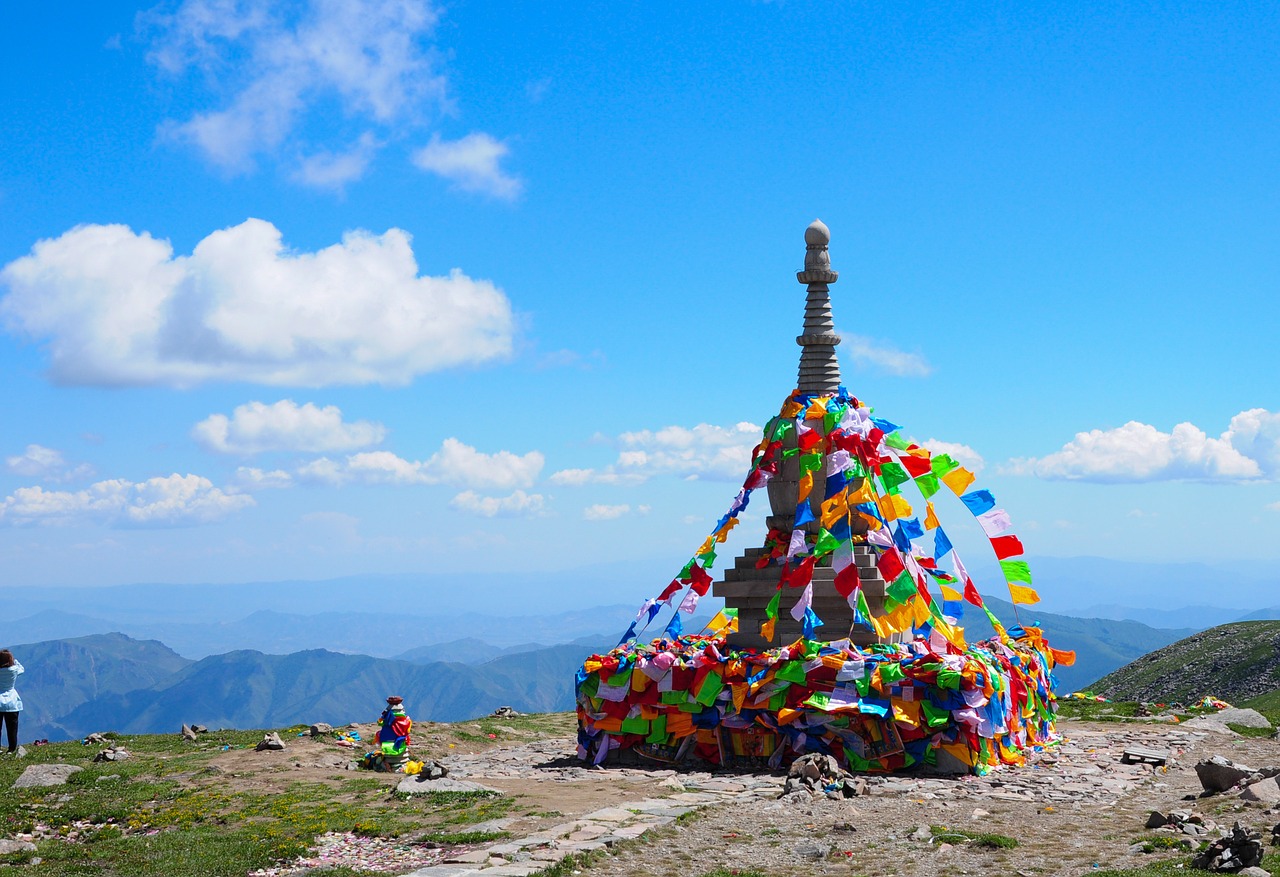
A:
(110, 681)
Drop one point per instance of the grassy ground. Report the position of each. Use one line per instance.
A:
(169, 810)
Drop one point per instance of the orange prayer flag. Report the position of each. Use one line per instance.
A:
(930, 518)
(1063, 659)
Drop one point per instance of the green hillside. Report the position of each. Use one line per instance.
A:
(1235, 662)
(63, 674)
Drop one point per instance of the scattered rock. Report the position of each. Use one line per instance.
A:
(95, 739)
(188, 732)
(505, 712)
(200, 729)
(271, 742)
(319, 729)
(1255, 871)
(1157, 820)
(812, 851)
(1240, 849)
(1265, 791)
(16, 846)
(45, 775)
(1246, 717)
(672, 783)
(922, 832)
(1217, 774)
(112, 753)
(422, 785)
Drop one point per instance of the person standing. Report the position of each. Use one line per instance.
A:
(10, 702)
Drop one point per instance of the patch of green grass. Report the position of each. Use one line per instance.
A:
(1094, 711)
(456, 838)
(1163, 842)
(1246, 731)
(983, 840)
(1162, 868)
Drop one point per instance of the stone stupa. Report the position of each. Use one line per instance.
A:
(749, 589)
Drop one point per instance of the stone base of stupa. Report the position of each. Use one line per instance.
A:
(750, 590)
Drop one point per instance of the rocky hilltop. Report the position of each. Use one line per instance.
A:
(1235, 662)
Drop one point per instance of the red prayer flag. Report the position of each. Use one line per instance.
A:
(801, 575)
(971, 593)
(890, 564)
(701, 581)
(847, 580)
(915, 466)
(670, 591)
(1007, 546)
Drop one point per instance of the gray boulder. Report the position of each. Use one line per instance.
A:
(1265, 791)
(270, 742)
(1217, 774)
(1246, 717)
(45, 775)
(16, 846)
(420, 785)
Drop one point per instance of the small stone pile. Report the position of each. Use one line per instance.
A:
(1236, 851)
(270, 742)
(112, 753)
(505, 712)
(816, 775)
(1181, 822)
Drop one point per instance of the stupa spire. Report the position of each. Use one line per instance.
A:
(819, 368)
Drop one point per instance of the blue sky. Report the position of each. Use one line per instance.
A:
(316, 289)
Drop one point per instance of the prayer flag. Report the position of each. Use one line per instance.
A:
(978, 501)
(1023, 594)
(1016, 571)
(941, 544)
(930, 518)
(995, 522)
(1006, 546)
(958, 479)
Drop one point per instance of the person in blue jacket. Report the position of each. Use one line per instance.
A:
(10, 702)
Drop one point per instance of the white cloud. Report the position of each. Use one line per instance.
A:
(962, 454)
(284, 426)
(273, 68)
(1248, 450)
(572, 477)
(518, 505)
(871, 352)
(1273, 506)
(456, 464)
(471, 163)
(248, 478)
(118, 308)
(47, 464)
(705, 451)
(605, 512)
(333, 170)
(170, 501)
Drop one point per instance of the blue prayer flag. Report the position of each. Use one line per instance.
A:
(979, 501)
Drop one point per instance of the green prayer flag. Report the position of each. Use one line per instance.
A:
(901, 589)
(928, 484)
(658, 730)
(771, 611)
(636, 725)
(892, 474)
(780, 426)
(687, 570)
(810, 463)
(674, 698)
(791, 671)
(789, 453)
(896, 441)
(935, 716)
(778, 701)
(826, 542)
(863, 684)
(891, 671)
(1016, 571)
(819, 700)
(710, 689)
(941, 464)
(708, 559)
(949, 679)
(620, 678)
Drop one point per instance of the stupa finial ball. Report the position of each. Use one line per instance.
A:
(817, 234)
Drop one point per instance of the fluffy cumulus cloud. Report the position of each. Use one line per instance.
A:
(471, 163)
(518, 505)
(716, 453)
(884, 357)
(256, 427)
(455, 464)
(47, 464)
(116, 308)
(1249, 450)
(169, 501)
(962, 454)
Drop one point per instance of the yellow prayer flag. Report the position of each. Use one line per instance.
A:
(766, 630)
(949, 593)
(791, 409)
(920, 614)
(864, 493)
(806, 485)
(707, 545)
(872, 523)
(886, 507)
(930, 518)
(817, 409)
(1023, 594)
(958, 479)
